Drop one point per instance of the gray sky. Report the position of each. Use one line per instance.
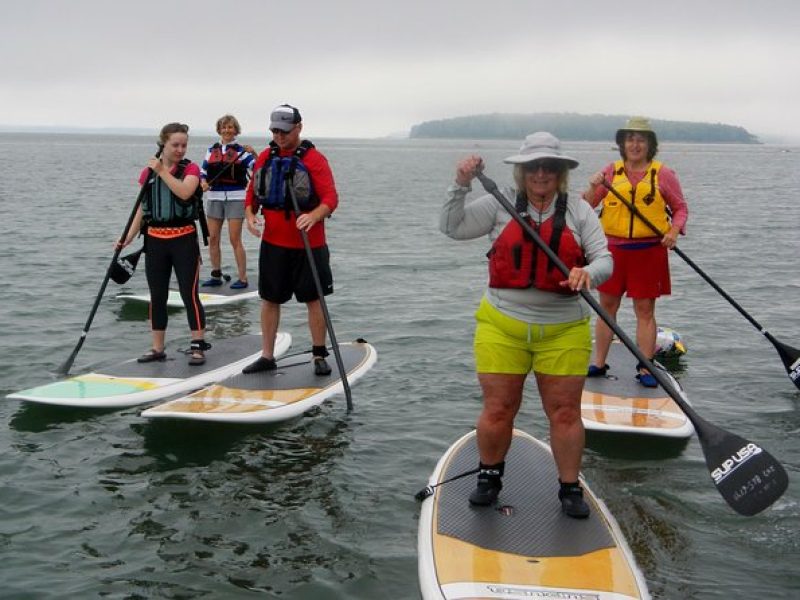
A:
(361, 68)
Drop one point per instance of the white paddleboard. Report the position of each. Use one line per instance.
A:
(130, 382)
(270, 396)
(524, 547)
(209, 296)
(618, 403)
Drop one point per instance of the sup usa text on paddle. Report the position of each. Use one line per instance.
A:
(730, 464)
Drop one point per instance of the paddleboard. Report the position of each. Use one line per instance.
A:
(130, 382)
(209, 296)
(618, 403)
(270, 396)
(524, 547)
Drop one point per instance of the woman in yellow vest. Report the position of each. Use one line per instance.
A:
(641, 264)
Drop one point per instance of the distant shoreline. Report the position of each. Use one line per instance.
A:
(575, 127)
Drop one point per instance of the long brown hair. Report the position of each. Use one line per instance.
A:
(170, 128)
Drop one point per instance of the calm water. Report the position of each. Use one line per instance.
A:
(106, 504)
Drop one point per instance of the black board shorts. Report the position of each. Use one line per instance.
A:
(283, 272)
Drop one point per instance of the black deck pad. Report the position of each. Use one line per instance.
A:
(620, 380)
(297, 372)
(535, 526)
(223, 352)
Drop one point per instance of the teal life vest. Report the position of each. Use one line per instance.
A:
(162, 207)
(271, 181)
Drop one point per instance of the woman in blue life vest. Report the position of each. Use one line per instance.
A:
(531, 318)
(167, 217)
(224, 176)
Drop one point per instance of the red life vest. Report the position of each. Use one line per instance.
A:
(226, 168)
(515, 261)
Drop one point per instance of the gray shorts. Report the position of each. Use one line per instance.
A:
(225, 209)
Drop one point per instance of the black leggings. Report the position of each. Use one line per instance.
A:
(183, 254)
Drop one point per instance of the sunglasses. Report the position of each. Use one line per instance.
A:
(549, 165)
(282, 132)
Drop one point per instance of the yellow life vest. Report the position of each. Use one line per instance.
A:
(619, 221)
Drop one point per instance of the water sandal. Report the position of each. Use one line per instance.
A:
(239, 285)
(261, 364)
(213, 282)
(197, 355)
(595, 371)
(152, 356)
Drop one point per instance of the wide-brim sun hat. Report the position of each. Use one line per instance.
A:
(540, 145)
(636, 124)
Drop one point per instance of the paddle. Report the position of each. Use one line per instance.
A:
(67, 365)
(329, 326)
(746, 475)
(789, 356)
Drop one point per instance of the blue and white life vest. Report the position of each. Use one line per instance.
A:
(225, 170)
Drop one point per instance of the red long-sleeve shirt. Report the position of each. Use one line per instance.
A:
(280, 231)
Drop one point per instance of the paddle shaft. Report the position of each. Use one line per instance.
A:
(315, 273)
(67, 365)
(765, 485)
(788, 355)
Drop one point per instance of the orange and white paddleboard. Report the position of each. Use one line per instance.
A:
(524, 547)
(270, 396)
(618, 403)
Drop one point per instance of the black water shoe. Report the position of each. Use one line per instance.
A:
(261, 364)
(490, 483)
(572, 502)
(321, 366)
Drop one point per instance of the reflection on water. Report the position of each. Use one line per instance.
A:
(34, 418)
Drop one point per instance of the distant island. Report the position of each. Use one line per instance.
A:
(575, 127)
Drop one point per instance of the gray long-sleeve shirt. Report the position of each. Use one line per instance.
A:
(463, 220)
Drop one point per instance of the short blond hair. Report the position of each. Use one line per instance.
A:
(225, 119)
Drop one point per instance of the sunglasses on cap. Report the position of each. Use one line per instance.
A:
(549, 165)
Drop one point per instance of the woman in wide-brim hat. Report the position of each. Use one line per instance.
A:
(531, 318)
(641, 262)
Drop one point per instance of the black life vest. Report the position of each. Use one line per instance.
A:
(271, 180)
(515, 261)
(163, 208)
(226, 168)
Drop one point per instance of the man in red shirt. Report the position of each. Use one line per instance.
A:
(283, 266)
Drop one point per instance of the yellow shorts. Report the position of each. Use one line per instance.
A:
(505, 345)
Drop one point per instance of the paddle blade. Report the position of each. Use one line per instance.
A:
(791, 359)
(746, 475)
